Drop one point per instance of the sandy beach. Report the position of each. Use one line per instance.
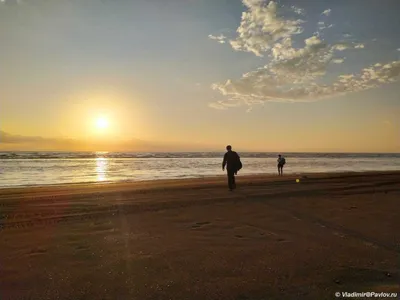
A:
(272, 238)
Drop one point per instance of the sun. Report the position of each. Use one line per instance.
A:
(102, 123)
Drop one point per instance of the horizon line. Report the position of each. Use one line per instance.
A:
(208, 151)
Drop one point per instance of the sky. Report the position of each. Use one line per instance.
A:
(187, 75)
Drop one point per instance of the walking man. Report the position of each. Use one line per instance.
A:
(233, 165)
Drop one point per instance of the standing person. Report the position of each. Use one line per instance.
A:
(233, 165)
(281, 163)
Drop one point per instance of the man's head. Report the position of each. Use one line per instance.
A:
(229, 147)
(279, 156)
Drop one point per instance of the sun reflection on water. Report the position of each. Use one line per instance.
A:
(101, 168)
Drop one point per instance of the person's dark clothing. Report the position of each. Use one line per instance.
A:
(231, 179)
(231, 160)
(281, 163)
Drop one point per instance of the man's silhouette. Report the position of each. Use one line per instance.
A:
(281, 163)
(231, 161)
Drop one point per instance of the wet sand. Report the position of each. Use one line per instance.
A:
(272, 238)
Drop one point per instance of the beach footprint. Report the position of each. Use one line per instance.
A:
(200, 224)
(37, 251)
(245, 231)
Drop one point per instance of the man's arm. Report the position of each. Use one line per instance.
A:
(224, 161)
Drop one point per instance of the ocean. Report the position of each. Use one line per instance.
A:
(47, 168)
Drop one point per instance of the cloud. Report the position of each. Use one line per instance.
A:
(13, 142)
(326, 12)
(6, 138)
(341, 46)
(218, 105)
(398, 49)
(18, 2)
(266, 86)
(292, 74)
(219, 38)
(261, 27)
(298, 10)
(338, 60)
(321, 25)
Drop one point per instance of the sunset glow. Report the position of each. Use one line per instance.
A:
(298, 76)
(102, 123)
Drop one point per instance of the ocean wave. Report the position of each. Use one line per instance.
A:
(166, 155)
